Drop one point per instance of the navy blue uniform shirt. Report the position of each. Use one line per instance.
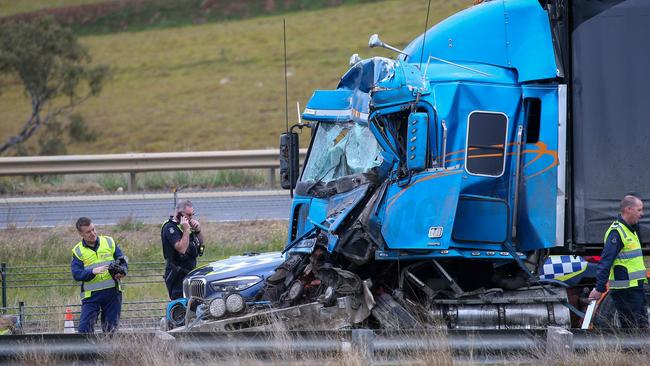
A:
(172, 234)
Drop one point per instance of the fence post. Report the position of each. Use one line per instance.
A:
(21, 313)
(271, 177)
(559, 343)
(132, 183)
(362, 344)
(3, 273)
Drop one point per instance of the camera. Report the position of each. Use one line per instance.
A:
(118, 266)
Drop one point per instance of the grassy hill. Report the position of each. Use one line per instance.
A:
(220, 86)
(110, 16)
(10, 7)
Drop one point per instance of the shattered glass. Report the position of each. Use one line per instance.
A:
(339, 150)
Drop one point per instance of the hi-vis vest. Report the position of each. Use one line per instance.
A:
(630, 257)
(103, 256)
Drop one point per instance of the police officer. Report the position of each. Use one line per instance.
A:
(622, 268)
(182, 243)
(100, 289)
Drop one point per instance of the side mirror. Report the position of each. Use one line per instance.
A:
(289, 160)
(418, 141)
(374, 41)
(354, 59)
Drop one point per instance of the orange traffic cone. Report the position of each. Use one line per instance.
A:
(68, 325)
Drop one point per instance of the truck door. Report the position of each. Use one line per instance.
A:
(540, 211)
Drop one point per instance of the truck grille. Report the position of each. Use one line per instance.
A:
(197, 288)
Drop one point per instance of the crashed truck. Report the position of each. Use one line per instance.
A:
(462, 183)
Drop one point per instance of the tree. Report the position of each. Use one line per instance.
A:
(53, 67)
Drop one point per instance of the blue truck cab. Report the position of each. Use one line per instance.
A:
(437, 183)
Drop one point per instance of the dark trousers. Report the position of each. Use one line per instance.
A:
(631, 307)
(108, 302)
(174, 286)
(174, 276)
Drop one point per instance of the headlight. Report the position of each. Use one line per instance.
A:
(217, 307)
(235, 303)
(235, 284)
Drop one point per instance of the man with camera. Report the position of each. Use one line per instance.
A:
(182, 243)
(98, 262)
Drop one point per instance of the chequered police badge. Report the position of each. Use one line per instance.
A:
(561, 265)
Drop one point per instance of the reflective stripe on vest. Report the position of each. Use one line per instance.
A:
(93, 266)
(630, 257)
(634, 277)
(99, 285)
(92, 259)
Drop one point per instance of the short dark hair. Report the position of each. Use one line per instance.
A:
(83, 221)
(629, 200)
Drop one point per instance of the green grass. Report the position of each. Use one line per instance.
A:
(141, 243)
(150, 181)
(102, 17)
(111, 182)
(220, 86)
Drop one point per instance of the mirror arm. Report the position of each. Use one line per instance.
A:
(300, 126)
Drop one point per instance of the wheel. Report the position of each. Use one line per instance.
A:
(177, 315)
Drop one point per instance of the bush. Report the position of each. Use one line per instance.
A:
(8, 185)
(111, 182)
(78, 130)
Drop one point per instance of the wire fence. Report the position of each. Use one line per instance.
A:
(35, 317)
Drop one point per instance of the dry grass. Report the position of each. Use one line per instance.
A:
(31, 186)
(141, 243)
(54, 245)
(149, 181)
(145, 350)
(9, 7)
(220, 86)
(607, 354)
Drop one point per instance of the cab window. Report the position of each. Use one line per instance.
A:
(486, 143)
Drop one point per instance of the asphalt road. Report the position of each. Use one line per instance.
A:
(147, 208)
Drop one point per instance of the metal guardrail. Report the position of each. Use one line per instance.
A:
(367, 346)
(143, 162)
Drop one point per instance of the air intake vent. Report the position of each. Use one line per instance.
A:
(197, 288)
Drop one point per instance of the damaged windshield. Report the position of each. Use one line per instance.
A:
(341, 149)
